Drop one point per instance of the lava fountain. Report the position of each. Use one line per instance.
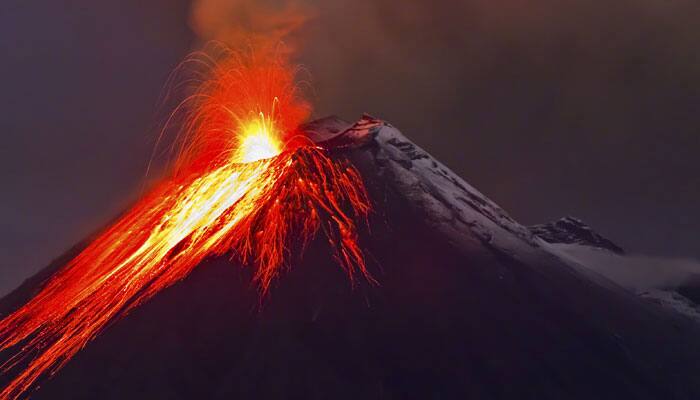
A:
(245, 182)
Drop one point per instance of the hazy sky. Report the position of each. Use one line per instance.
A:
(549, 107)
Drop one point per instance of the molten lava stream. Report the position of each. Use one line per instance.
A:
(236, 188)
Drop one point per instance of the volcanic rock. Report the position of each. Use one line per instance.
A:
(468, 304)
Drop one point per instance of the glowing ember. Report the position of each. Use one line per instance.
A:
(239, 185)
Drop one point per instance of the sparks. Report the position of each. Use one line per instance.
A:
(239, 186)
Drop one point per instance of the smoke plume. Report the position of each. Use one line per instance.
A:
(259, 24)
(637, 272)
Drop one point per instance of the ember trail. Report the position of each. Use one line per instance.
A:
(244, 181)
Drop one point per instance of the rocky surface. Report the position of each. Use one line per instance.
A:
(469, 304)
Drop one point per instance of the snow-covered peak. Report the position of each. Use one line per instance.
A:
(447, 202)
(471, 220)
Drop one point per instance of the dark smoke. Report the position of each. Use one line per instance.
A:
(254, 23)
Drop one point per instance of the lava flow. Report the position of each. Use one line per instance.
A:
(245, 182)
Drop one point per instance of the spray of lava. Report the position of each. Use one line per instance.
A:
(245, 182)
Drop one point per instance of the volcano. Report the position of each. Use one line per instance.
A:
(464, 302)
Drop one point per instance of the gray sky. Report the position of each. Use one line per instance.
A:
(551, 108)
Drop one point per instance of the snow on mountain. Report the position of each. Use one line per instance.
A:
(570, 230)
(446, 201)
(455, 207)
(669, 282)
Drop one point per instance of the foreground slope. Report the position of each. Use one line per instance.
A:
(469, 303)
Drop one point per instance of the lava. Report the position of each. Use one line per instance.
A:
(244, 183)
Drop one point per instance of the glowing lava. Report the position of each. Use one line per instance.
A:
(258, 141)
(239, 186)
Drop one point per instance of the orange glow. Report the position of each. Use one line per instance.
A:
(238, 187)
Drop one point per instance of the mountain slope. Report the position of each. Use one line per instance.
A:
(469, 303)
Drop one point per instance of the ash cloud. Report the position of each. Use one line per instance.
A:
(260, 24)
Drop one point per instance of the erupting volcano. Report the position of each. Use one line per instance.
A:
(246, 181)
(467, 302)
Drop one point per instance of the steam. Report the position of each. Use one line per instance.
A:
(637, 273)
(259, 24)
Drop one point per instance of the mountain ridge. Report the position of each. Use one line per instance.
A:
(469, 303)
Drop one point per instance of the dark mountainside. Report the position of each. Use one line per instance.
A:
(470, 304)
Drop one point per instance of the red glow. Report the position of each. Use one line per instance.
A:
(240, 185)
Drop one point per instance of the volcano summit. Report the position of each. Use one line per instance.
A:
(460, 301)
